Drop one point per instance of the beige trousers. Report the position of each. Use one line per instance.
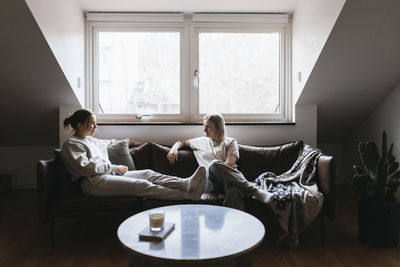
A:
(139, 183)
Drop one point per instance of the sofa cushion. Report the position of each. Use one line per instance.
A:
(184, 167)
(141, 156)
(277, 158)
(63, 183)
(118, 154)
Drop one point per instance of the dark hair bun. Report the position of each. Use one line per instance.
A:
(79, 116)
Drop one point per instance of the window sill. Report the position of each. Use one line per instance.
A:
(188, 123)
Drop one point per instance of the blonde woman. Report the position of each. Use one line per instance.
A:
(219, 153)
(86, 156)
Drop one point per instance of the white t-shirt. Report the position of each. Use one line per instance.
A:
(205, 150)
(87, 157)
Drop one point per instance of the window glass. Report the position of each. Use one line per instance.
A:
(239, 73)
(139, 72)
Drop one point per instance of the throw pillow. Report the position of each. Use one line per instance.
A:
(118, 154)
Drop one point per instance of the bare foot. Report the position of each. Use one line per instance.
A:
(196, 179)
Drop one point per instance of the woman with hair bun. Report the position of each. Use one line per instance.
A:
(86, 156)
(219, 153)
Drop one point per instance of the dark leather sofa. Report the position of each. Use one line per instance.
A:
(58, 197)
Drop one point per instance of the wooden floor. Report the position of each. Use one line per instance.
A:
(93, 242)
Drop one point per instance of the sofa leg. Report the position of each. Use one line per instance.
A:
(51, 232)
(322, 228)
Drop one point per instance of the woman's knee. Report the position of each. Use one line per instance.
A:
(92, 190)
(149, 172)
(139, 174)
(215, 165)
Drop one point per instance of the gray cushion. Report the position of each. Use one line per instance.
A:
(118, 154)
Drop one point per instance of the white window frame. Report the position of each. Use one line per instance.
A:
(189, 26)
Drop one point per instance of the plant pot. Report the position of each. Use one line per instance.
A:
(378, 222)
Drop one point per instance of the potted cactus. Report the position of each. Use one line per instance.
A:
(376, 181)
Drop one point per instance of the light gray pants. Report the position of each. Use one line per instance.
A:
(223, 179)
(139, 183)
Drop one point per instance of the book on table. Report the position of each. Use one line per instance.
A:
(147, 235)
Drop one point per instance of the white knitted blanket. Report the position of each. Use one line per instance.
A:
(296, 200)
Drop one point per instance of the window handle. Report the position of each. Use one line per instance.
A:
(139, 116)
(277, 107)
(196, 80)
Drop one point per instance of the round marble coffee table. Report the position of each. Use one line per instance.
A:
(203, 235)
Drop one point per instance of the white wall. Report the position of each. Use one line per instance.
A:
(313, 21)
(21, 162)
(62, 24)
(384, 117)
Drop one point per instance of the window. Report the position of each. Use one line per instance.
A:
(138, 72)
(176, 68)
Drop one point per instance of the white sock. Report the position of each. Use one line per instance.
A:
(196, 179)
(263, 196)
(196, 193)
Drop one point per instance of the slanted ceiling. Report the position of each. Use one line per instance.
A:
(32, 84)
(358, 66)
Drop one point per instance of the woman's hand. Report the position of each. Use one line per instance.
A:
(231, 161)
(173, 153)
(172, 156)
(121, 169)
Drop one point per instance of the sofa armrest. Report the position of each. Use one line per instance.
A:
(326, 182)
(46, 173)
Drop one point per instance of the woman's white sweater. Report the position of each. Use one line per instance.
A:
(87, 157)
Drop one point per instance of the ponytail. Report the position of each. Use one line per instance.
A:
(67, 121)
(79, 116)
